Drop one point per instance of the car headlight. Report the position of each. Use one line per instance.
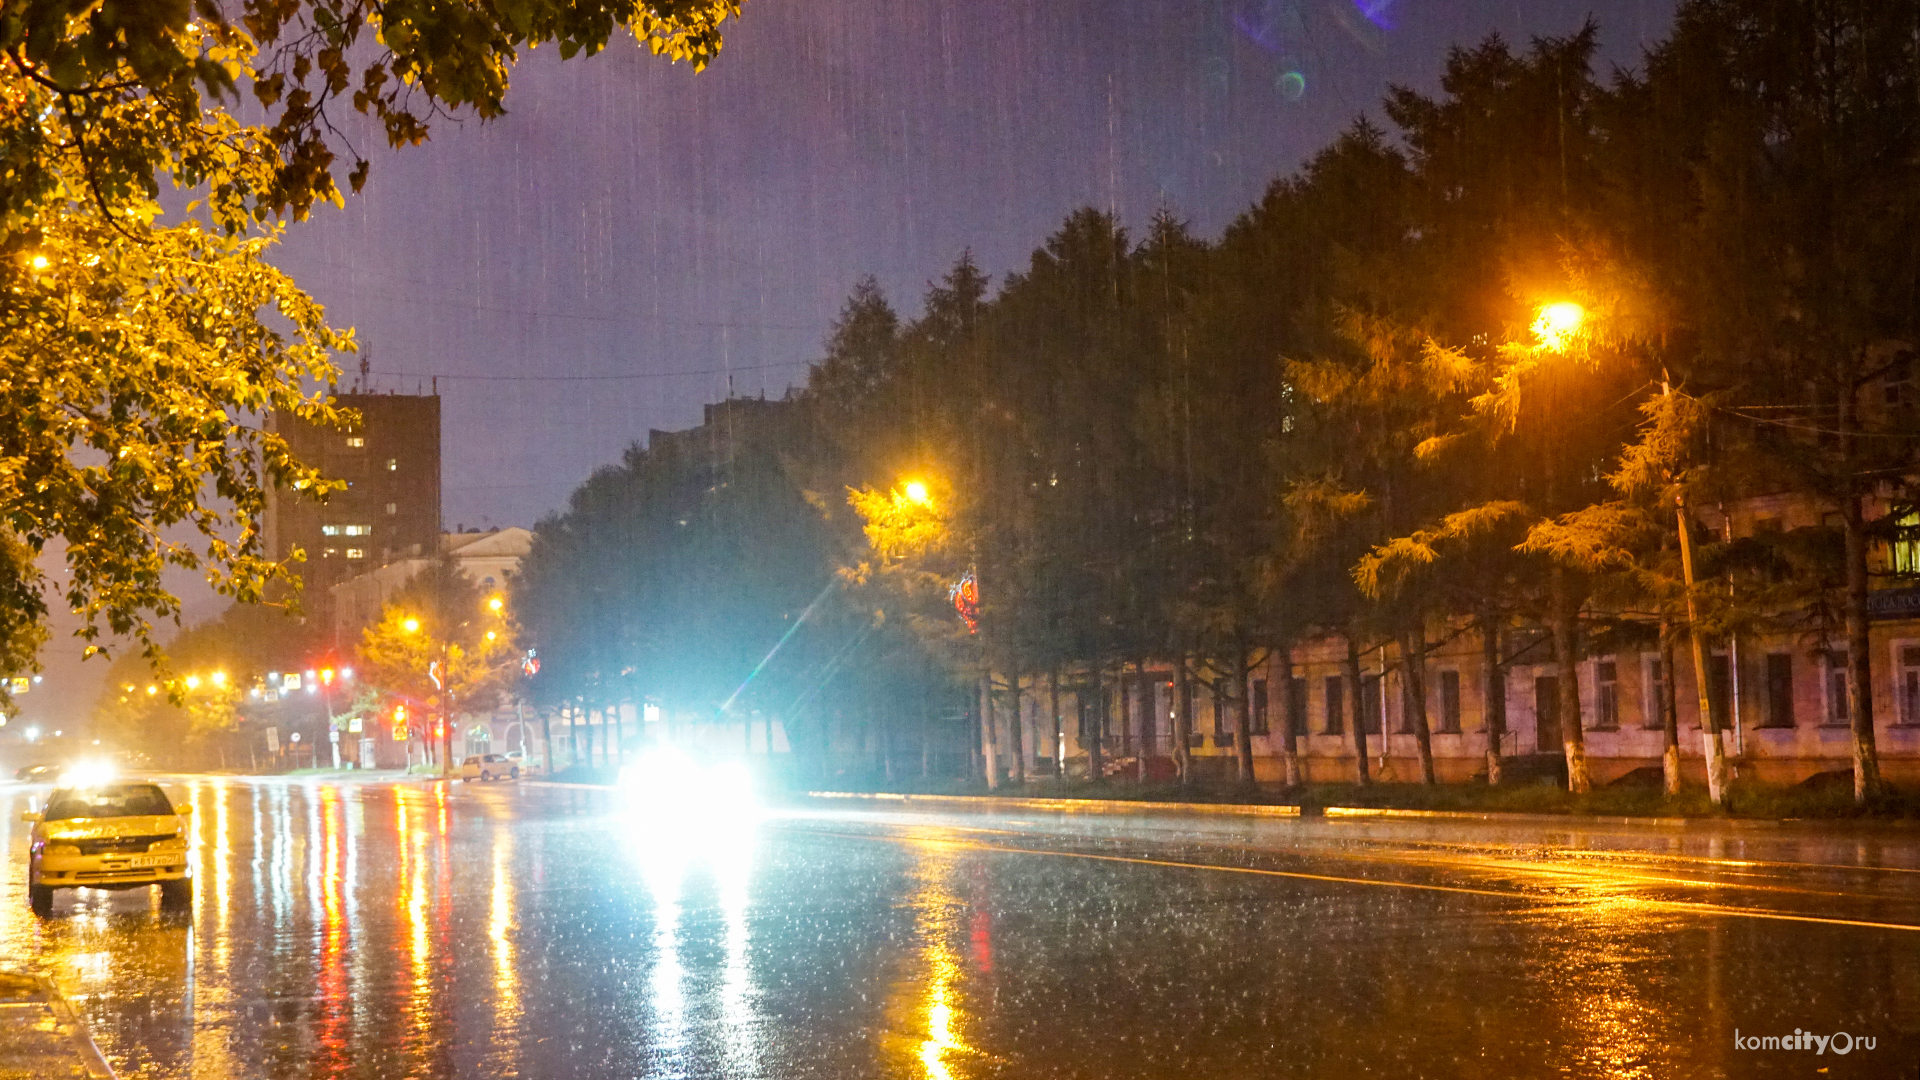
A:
(171, 843)
(61, 849)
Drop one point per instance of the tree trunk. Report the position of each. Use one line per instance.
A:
(1494, 692)
(1413, 695)
(1669, 705)
(1289, 738)
(1361, 775)
(1018, 726)
(1566, 634)
(1096, 722)
(1866, 754)
(1059, 735)
(1242, 716)
(1182, 720)
(989, 758)
(1145, 749)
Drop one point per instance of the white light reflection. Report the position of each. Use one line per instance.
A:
(732, 865)
(500, 926)
(669, 851)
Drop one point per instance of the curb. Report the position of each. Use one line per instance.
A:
(39, 1031)
(1135, 806)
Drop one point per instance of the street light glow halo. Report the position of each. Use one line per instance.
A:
(1558, 322)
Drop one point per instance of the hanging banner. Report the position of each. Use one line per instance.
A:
(965, 595)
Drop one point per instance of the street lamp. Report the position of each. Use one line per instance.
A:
(410, 625)
(1557, 324)
(917, 492)
(495, 605)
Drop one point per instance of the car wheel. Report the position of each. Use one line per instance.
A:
(515, 775)
(176, 895)
(40, 899)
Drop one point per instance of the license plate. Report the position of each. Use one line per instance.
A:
(147, 860)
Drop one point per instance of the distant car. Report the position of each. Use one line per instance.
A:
(118, 835)
(530, 764)
(36, 774)
(489, 767)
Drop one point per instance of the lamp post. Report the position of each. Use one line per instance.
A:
(1710, 744)
(1556, 326)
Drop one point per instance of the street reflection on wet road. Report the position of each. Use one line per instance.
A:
(413, 929)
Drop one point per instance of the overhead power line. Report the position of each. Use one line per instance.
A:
(591, 378)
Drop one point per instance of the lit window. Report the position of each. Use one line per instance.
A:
(359, 530)
(392, 509)
(356, 553)
(1906, 550)
(356, 441)
(329, 530)
(329, 553)
(393, 464)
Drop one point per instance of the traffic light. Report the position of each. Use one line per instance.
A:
(399, 723)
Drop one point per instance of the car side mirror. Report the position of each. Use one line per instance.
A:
(183, 809)
(29, 817)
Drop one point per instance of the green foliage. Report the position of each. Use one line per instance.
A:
(140, 349)
(440, 621)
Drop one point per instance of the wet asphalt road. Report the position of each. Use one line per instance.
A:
(426, 930)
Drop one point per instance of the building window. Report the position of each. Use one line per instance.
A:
(1221, 735)
(356, 441)
(1655, 709)
(1370, 705)
(1907, 684)
(356, 553)
(1606, 695)
(1335, 721)
(329, 530)
(1297, 706)
(328, 553)
(1258, 724)
(1450, 703)
(1719, 690)
(1779, 690)
(393, 464)
(358, 530)
(1838, 714)
(392, 509)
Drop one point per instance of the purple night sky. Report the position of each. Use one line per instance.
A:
(562, 269)
(631, 218)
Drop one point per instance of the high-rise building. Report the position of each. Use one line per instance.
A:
(390, 508)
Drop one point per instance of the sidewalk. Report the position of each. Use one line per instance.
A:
(40, 1036)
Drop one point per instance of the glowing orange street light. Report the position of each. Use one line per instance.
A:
(410, 625)
(219, 678)
(1557, 324)
(193, 682)
(494, 605)
(917, 492)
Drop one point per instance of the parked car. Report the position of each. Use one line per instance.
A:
(489, 767)
(36, 774)
(118, 835)
(531, 764)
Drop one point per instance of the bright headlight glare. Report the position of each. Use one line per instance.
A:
(668, 783)
(88, 774)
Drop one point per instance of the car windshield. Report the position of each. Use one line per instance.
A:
(112, 800)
